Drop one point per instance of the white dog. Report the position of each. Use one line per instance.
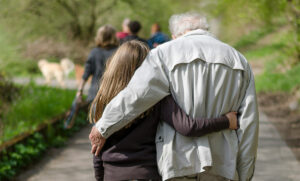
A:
(56, 70)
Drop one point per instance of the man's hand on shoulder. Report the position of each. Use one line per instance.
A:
(97, 141)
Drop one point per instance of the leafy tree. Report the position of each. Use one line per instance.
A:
(75, 19)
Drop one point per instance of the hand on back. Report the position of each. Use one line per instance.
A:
(233, 122)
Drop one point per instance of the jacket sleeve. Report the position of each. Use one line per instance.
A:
(148, 85)
(89, 66)
(248, 132)
(98, 168)
(171, 113)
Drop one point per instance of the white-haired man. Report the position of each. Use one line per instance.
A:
(207, 78)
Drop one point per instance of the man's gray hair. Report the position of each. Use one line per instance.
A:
(180, 23)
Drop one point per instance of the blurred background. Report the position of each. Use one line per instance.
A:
(267, 32)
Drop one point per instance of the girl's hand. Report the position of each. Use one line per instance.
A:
(79, 96)
(233, 122)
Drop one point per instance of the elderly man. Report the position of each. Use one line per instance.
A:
(207, 78)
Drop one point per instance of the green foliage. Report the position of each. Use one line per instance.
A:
(76, 18)
(8, 47)
(273, 54)
(25, 153)
(274, 81)
(79, 19)
(7, 90)
(11, 61)
(252, 37)
(263, 51)
(35, 105)
(35, 29)
(239, 17)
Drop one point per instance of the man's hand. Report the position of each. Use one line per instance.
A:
(97, 141)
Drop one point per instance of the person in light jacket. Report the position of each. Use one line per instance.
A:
(207, 78)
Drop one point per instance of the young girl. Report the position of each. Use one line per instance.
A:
(130, 153)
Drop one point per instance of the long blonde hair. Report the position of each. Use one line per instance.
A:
(119, 70)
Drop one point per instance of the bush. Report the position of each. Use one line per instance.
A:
(7, 93)
(7, 90)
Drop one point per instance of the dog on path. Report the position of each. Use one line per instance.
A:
(56, 71)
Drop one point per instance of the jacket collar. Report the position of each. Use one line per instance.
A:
(198, 32)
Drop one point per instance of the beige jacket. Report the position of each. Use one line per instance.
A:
(207, 78)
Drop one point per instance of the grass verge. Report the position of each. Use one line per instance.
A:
(34, 105)
(273, 54)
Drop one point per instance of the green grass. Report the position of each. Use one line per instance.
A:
(8, 47)
(273, 56)
(34, 106)
(8, 50)
(253, 37)
(272, 81)
(264, 51)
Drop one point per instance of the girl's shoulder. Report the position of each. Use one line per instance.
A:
(96, 51)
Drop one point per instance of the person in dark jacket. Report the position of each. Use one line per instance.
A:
(134, 28)
(106, 44)
(157, 37)
(130, 153)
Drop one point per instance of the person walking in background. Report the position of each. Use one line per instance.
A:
(106, 44)
(157, 37)
(207, 78)
(125, 29)
(134, 28)
(130, 153)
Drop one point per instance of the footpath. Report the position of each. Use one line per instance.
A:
(275, 160)
(73, 162)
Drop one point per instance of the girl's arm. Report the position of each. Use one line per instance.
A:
(89, 67)
(88, 70)
(187, 126)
